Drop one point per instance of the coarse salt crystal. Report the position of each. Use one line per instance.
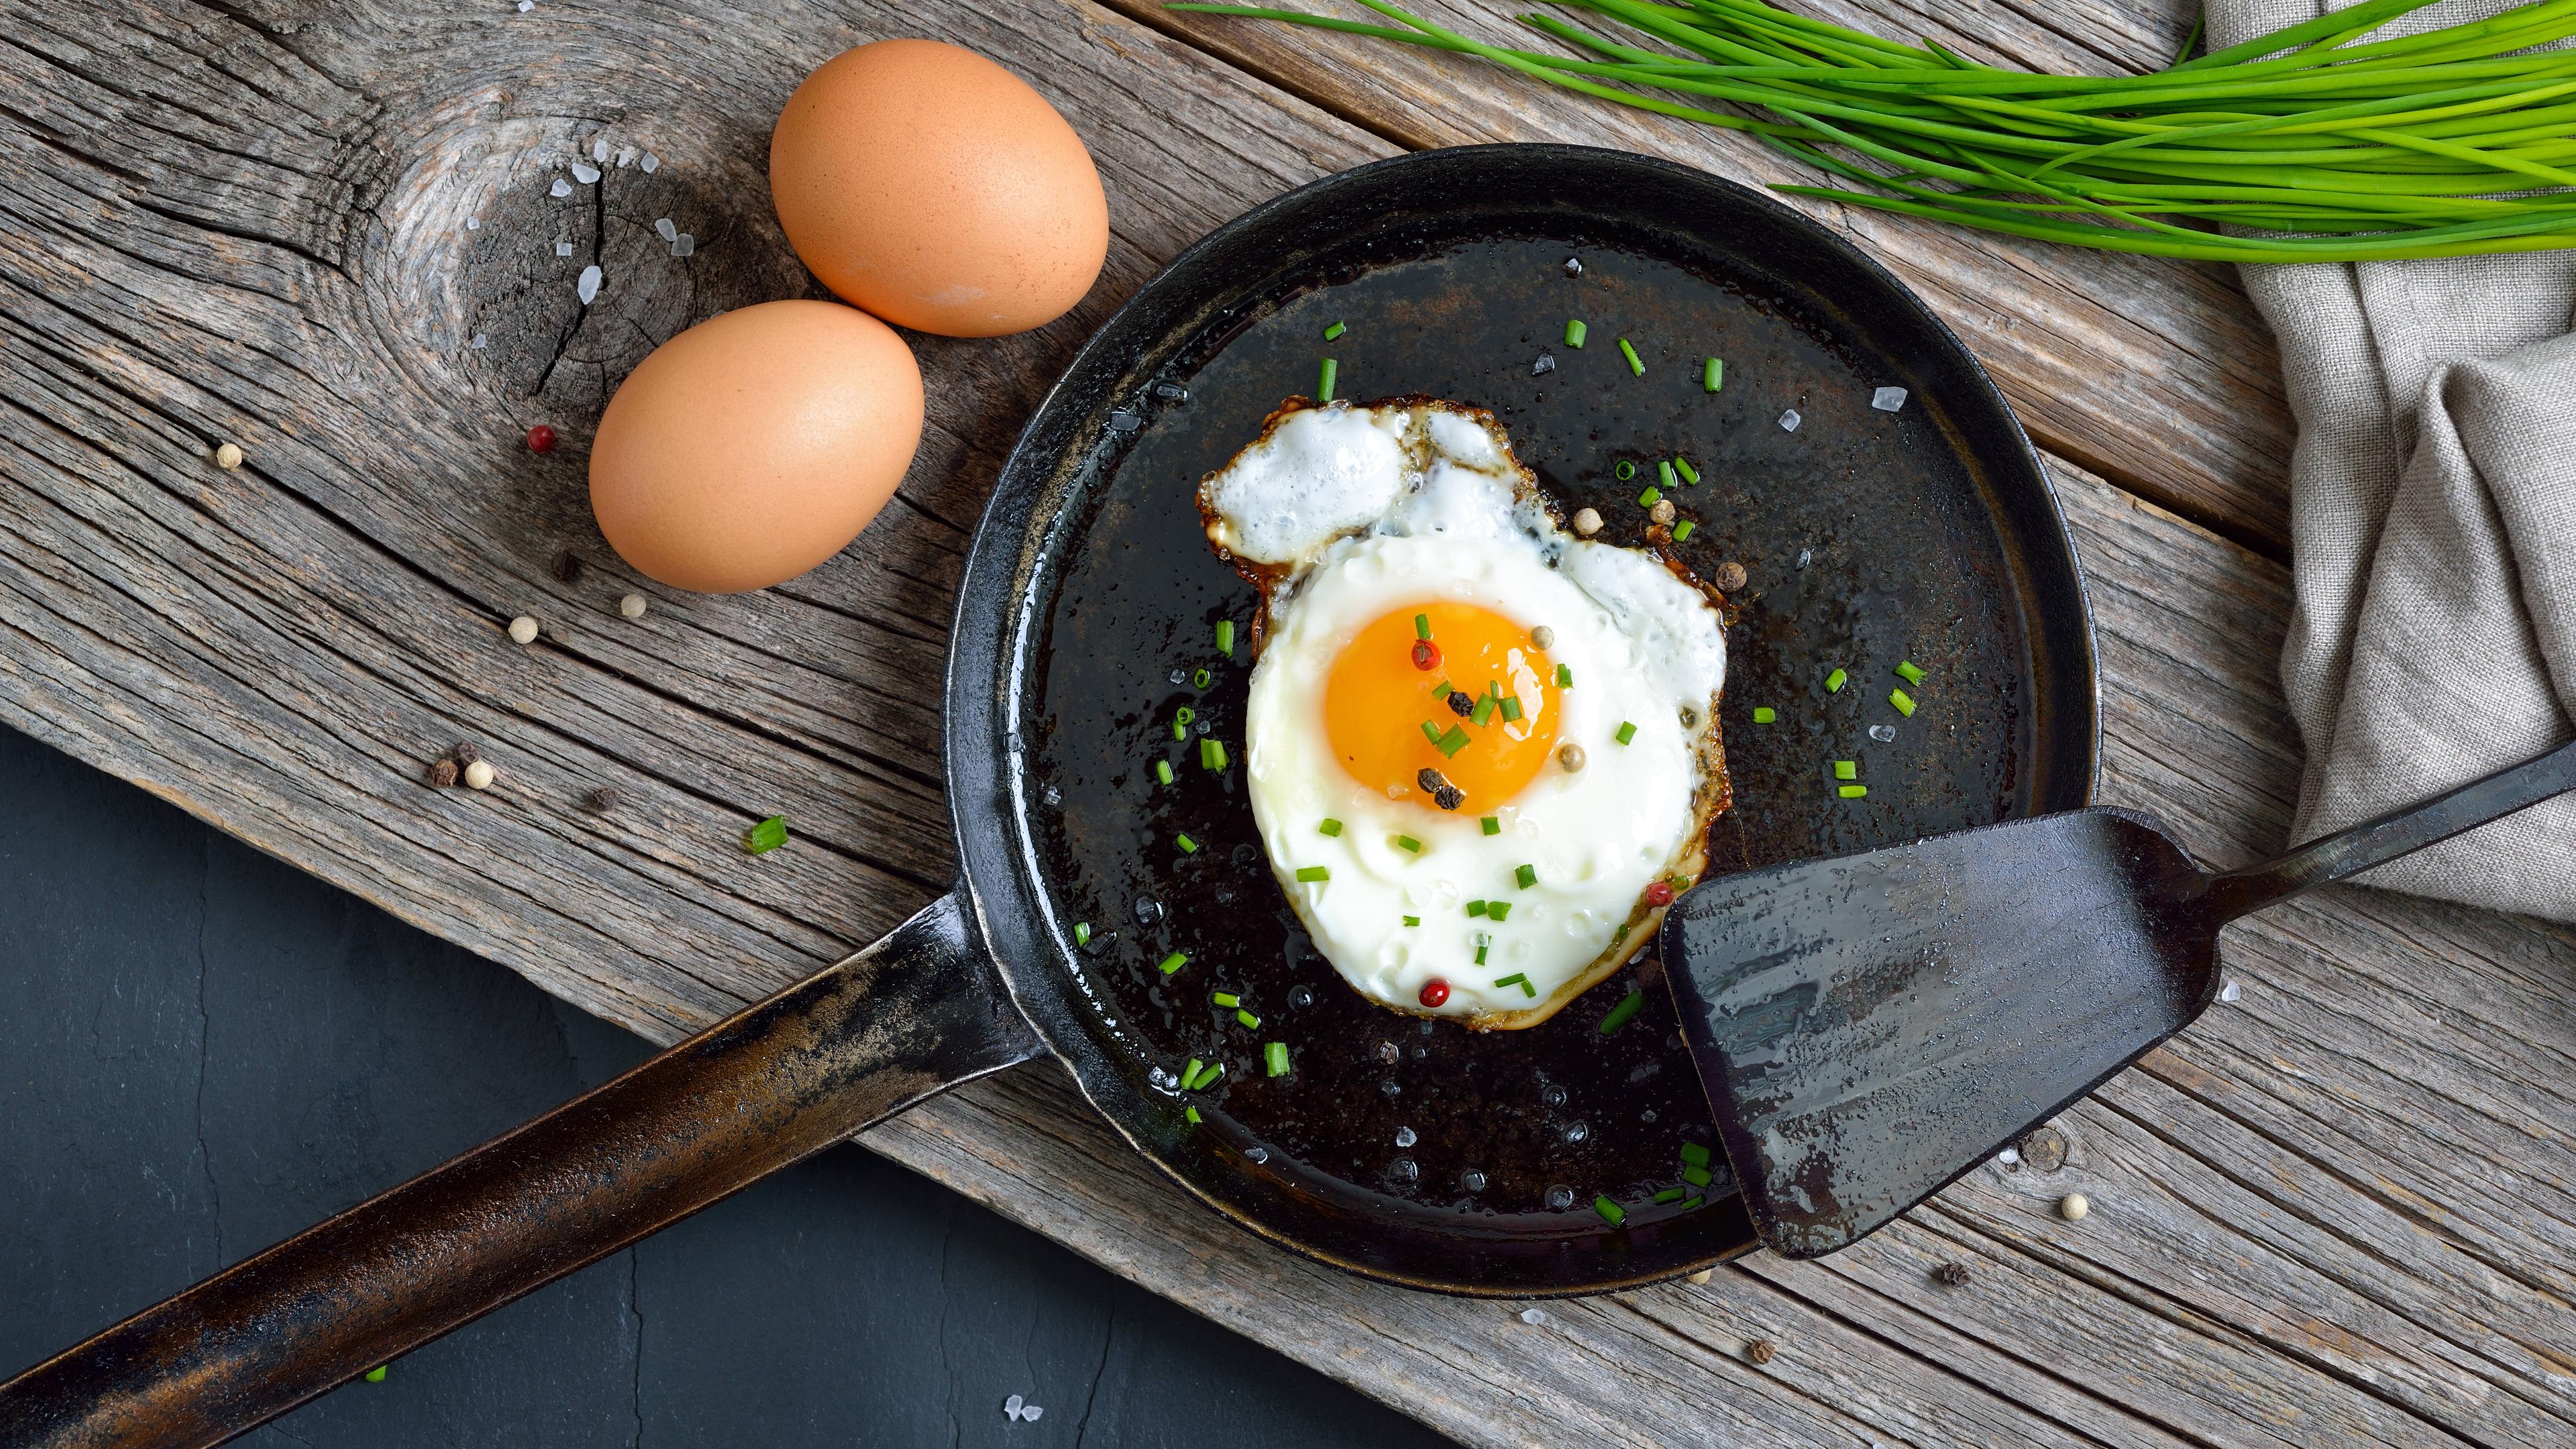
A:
(599, 148)
(473, 223)
(560, 188)
(651, 163)
(1532, 1315)
(2230, 992)
(1885, 734)
(683, 245)
(1888, 399)
(584, 172)
(1789, 421)
(2009, 1157)
(1011, 1407)
(1031, 1413)
(527, 5)
(482, 341)
(625, 155)
(668, 232)
(563, 249)
(588, 287)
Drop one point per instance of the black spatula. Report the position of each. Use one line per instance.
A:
(1873, 1026)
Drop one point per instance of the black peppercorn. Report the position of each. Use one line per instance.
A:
(1461, 703)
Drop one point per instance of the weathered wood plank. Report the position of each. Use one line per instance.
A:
(2155, 374)
(2337, 1210)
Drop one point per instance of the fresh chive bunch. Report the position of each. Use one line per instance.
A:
(2341, 147)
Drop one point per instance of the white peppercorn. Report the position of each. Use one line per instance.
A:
(478, 776)
(632, 606)
(2074, 1206)
(1663, 511)
(523, 630)
(1588, 522)
(228, 456)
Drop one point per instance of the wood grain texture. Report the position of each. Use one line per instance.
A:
(2337, 1210)
(2155, 374)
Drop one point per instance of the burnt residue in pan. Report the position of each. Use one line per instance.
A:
(1862, 544)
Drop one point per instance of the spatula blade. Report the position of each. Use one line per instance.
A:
(1872, 1026)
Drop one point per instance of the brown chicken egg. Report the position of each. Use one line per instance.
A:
(935, 189)
(755, 445)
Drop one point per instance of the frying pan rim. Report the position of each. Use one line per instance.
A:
(990, 651)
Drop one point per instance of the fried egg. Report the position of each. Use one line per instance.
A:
(1481, 752)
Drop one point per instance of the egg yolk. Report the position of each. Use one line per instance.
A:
(1382, 707)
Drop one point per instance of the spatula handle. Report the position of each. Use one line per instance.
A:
(2350, 851)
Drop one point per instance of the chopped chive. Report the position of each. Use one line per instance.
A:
(1201, 679)
(1682, 466)
(1574, 330)
(1275, 1057)
(1225, 637)
(1623, 470)
(1629, 1005)
(1336, 330)
(1611, 1212)
(376, 1375)
(1713, 375)
(1413, 920)
(1698, 1176)
(1442, 690)
(1250, 1021)
(1422, 626)
(1665, 1198)
(1192, 1113)
(1694, 1202)
(1329, 827)
(1493, 824)
(1497, 910)
(1480, 953)
(1184, 715)
(1174, 962)
(1627, 732)
(1324, 380)
(1834, 681)
(1431, 731)
(1764, 714)
(1650, 497)
(1190, 1075)
(1187, 845)
(1636, 365)
(1484, 711)
(1852, 792)
(1225, 998)
(1694, 1154)
(1565, 676)
(1453, 741)
(1905, 669)
(1904, 702)
(1211, 754)
(1476, 908)
(1846, 769)
(1082, 933)
(771, 833)
(1180, 731)
(1408, 843)
(1619, 935)
(1207, 1078)
(1163, 771)
(1511, 707)
(1527, 875)
(1314, 872)
(1682, 530)
(1664, 471)
(1518, 979)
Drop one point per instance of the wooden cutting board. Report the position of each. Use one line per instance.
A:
(2338, 1211)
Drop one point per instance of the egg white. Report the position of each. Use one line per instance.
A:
(1351, 513)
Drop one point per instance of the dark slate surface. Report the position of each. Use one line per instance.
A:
(205, 1050)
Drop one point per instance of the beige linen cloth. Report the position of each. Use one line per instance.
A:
(2433, 534)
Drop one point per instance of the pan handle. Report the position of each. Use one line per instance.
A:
(912, 1015)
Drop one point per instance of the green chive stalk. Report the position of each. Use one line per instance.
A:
(2315, 143)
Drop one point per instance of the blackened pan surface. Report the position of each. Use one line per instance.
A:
(1425, 1153)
